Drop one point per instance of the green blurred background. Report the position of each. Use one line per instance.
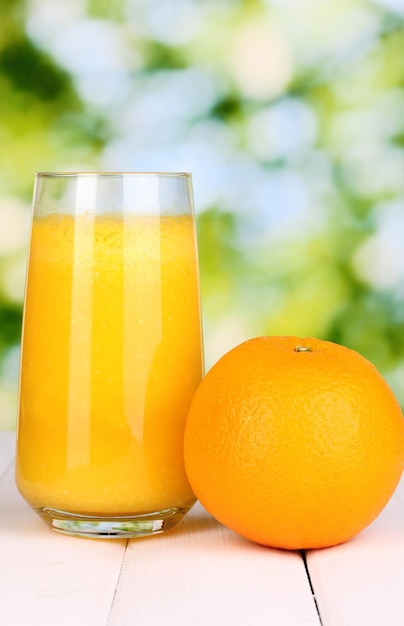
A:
(289, 114)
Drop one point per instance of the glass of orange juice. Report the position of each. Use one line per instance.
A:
(111, 352)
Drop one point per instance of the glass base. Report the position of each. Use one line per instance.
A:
(110, 526)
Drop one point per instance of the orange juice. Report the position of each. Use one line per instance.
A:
(111, 357)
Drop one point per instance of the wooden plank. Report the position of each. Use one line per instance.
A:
(47, 578)
(7, 450)
(203, 574)
(362, 581)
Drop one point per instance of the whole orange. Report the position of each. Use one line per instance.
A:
(294, 443)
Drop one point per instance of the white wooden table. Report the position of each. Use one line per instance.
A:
(198, 574)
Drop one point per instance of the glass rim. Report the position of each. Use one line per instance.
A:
(109, 174)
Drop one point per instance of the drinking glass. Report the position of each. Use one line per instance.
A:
(111, 352)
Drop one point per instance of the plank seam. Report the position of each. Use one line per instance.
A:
(313, 593)
(117, 584)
